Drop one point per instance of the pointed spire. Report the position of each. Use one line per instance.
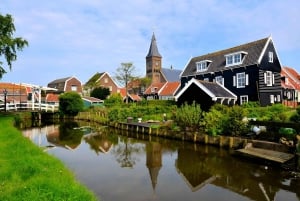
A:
(153, 50)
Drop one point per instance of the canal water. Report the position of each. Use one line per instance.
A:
(121, 166)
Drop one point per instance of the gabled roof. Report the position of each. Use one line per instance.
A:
(170, 74)
(60, 84)
(169, 89)
(213, 89)
(253, 55)
(153, 50)
(61, 80)
(93, 79)
(133, 97)
(156, 86)
(292, 81)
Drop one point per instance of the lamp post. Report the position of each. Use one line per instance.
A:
(5, 94)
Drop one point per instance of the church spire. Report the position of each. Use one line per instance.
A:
(153, 50)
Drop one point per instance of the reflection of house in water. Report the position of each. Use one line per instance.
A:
(98, 142)
(200, 167)
(192, 167)
(55, 139)
(153, 160)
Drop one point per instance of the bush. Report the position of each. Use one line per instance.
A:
(189, 116)
(214, 122)
(236, 124)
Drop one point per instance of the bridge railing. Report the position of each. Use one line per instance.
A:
(29, 106)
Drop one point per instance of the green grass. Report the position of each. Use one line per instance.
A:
(28, 173)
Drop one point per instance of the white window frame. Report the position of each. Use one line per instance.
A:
(235, 58)
(269, 78)
(220, 80)
(202, 65)
(74, 88)
(272, 99)
(243, 99)
(271, 57)
(206, 79)
(241, 80)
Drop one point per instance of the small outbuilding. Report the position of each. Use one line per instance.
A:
(205, 93)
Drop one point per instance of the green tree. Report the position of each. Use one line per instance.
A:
(70, 103)
(124, 75)
(8, 44)
(100, 92)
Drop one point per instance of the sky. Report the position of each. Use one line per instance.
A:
(80, 38)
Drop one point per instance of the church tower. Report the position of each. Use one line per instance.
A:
(153, 62)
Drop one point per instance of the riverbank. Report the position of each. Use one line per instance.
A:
(27, 173)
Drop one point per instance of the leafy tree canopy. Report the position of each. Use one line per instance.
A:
(8, 44)
(70, 103)
(100, 92)
(124, 75)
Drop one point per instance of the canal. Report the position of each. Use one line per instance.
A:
(121, 166)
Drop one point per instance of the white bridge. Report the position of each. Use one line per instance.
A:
(25, 97)
(45, 107)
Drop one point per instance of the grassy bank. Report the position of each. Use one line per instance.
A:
(27, 173)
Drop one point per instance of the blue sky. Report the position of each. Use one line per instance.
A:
(79, 38)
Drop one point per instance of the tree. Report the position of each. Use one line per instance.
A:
(124, 74)
(70, 103)
(100, 92)
(8, 44)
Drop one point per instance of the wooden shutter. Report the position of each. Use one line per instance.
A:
(247, 79)
(234, 81)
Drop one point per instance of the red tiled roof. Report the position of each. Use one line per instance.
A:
(156, 86)
(292, 78)
(52, 97)
(135, 97)
(169, 89)
(15, 92)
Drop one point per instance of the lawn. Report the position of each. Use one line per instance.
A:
(28, 173)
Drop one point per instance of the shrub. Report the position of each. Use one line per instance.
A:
(236, 124)
(189, 116)
(214, 122)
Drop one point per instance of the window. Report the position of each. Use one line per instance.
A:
(220, 80)
(202, 65)
(235, 58)
(272, 99)
(73, 88)
(206, 79)
(154, 90)
(243, 99)
(105, 80)
(269, 78)
(271, 57)
(241, 80)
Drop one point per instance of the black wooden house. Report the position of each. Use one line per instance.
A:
(250, 71)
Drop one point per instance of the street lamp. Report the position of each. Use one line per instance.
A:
(5, 94)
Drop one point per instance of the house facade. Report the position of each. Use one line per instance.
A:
(290, 83)
(250, 71)
(66, 85)
(101, 80)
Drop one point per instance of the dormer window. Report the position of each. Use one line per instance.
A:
(235, 58)
(202, 65)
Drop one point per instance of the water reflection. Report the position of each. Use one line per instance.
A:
(141, 167)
